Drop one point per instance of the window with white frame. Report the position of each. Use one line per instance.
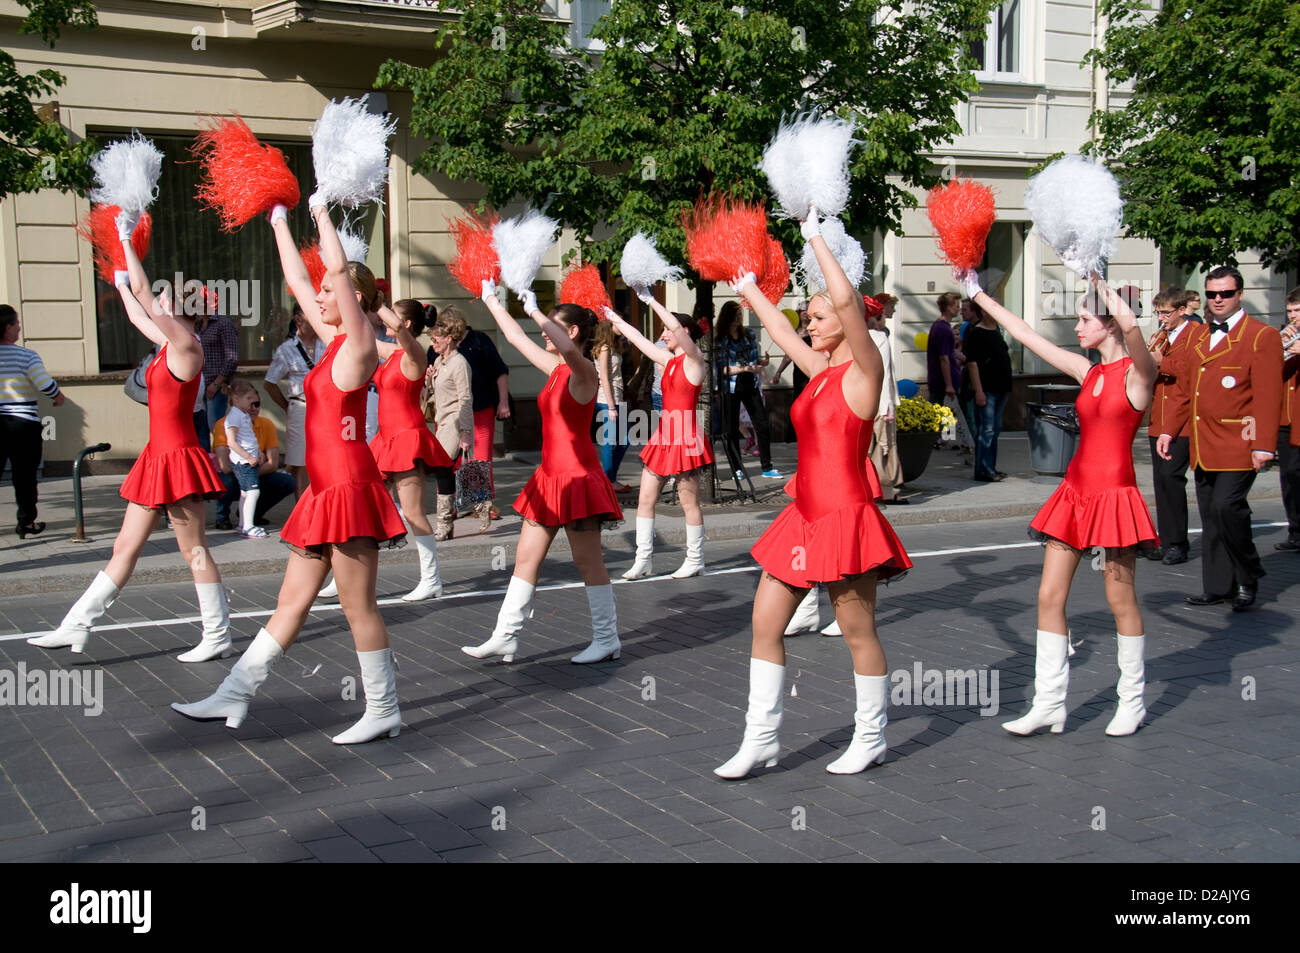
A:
(584, 14)
(999, 55)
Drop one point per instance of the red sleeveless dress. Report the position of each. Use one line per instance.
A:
(569, 485)
(678, 444)
(1098, 502)
(172, 465)
(403, 436)
(833, 529)
(346, 498)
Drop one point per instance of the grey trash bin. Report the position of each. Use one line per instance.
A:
(1053, 431)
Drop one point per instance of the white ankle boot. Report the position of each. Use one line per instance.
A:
(1132, 681)
(505, 637)
(645, 546)
(694, 564)
(330, 590)
(1051, 682)
(604, 627)
(762, 721)
(230, 700)
(832, 629)
(216, 624)
(430, 586)
(379, 678)
(74, 630)
(868, 746)
(806, 617)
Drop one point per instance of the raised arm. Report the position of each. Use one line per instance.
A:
(358, 357)
(783, 336)
(415, 360)
(1067, 362)
(532, 352)
(683, 334)
(139, 280)
(639, 341)
(846, 301)
(1143, 379)
(296, 276)
(584, 379)
(136, 312)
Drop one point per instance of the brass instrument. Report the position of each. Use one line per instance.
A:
(1290, 334)
(1159, 343)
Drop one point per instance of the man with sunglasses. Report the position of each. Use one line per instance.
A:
(1169, 477)
(1227, 394)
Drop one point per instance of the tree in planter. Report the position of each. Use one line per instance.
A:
(36, 152)
(1207, 148)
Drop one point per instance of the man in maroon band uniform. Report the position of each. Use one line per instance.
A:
(1227, 394)
(1169, 477)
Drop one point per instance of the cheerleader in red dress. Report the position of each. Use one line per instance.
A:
(404, 447)
(569, 489)
(678, 447)
(173, 472)
(832, 533)
(346, 513)
(1097, 504)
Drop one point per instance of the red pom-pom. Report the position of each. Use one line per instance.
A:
(777, 275)
(315, 264)
(874, 308)
(962, 214)
(584, 287)
(242, 178)
(476, 258)
(726, 238)
(100, 229)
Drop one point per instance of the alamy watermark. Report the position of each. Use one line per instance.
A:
(950, 687)
(231, 297)
(76, 688)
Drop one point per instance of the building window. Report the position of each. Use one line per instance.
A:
(999, 54)
(242, 269)
(584, 14)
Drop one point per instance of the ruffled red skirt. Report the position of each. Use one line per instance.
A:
(157, 479)
(667, 459)
(397, 452)
(857, 539)
(342, 512)
(557, 500)
(1114, 518)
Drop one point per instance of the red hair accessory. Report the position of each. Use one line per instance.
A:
(476, 258)
(584, 287)
(100, 229)
(874, 308)
(962, 214)
(726, 238)
(242, 178)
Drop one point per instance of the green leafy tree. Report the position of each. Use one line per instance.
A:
(37, 152)
(1208, 148)
(682, 100)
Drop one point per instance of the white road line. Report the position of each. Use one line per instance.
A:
(334, 607)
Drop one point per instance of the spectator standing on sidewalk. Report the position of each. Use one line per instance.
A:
(289, 367)
(22, 378)
(943, 359)
(220, 360)
(988, 370)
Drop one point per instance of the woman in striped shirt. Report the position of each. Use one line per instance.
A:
(22, 377)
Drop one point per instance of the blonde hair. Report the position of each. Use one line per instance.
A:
(363, 280)
(451, 323)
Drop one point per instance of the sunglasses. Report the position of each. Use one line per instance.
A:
(1215, 295)
(256, 403)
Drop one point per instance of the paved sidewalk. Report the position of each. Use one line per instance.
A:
(546, 761)
(944, 493)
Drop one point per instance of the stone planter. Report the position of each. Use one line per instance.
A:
(914, 449)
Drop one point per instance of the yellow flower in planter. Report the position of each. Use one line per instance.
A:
(918, 415)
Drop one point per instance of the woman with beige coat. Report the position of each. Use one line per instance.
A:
(453, 419)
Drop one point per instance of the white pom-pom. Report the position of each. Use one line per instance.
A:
(521, 244)
(349, 151)
(126, 175)
(642, 265)
(355, 248)
(1077, 209)
(807, 165)
(846, 250)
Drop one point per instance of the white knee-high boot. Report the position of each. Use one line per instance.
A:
(216, 624)
(762, 721)
(645, 546)
(74, 630)
(382, 717)
(1132, 682)
(1051, 683)
(604, 627)
(505, 637)
(694, 564)
(868, 746)
(230, 700)
(430, 585)
(806, 617)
